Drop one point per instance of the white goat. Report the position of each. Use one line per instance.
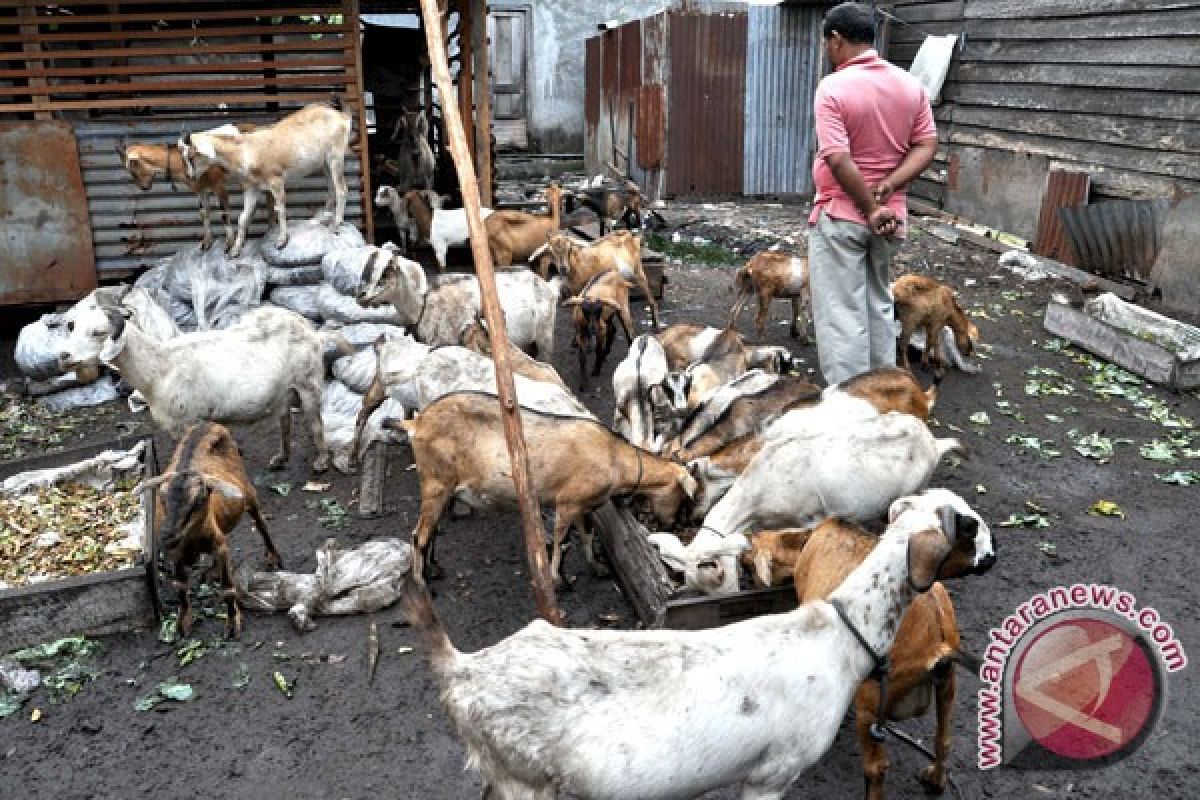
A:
(440, 312)
(265, 159)
(666, 715)
(640, 399)
(251, 370)
(420, 212)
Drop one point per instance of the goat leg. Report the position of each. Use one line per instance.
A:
(180, 585)
(906, 332)
(933, 777)
(280, 196)
(434, 498)
(337, 172)
(273, 559)
(799, 327)
(874, 756)
(233, 614)
(223, 201)
(738, 305)
(764, 313)
(207, 240)
(310, 407)
(280, 459)
(563, 519)
(249, 201)
(581, 340)
(588, 534)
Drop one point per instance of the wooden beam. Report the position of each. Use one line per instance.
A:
(535, 545)
(466, 72)
(351, 14)
(27, 14)
(483, 102)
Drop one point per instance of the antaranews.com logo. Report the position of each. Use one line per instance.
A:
(1075, 677)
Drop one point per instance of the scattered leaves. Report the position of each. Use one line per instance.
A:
(1097, 446)
(1048, 548)
(1043, 447)
(980, 418)
(1106, 508)
(241, 678)
(1016, 520)
(283, 488)
(332, 516)
(314, 486)
(168, 629)
(1180, 477)
(170, 689)
(193, 650)
(1157, 450)
(281, 683)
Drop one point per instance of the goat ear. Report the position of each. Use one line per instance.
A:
(927, 551)
(899, 507)
(152, 484)
(224, 488)
(762, 567)
(573, 301)
(688, 484)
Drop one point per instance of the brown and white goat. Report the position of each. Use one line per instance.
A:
(265, 159)
(576, 464)
(603, 299)
(613, 205)
(922, 302)
(514, 236)
(145, 162)
(927, 642)
(769, 275)
(199, 500)
(476, 337)
(620, 251)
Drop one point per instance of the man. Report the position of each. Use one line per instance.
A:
(875, 134)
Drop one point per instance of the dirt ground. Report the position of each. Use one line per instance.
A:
(339, 737)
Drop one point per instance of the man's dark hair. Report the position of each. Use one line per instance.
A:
(853, 21)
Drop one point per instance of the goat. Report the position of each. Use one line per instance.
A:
(922, 302)
(769, 275)
(414, 157)
(575, 463)
(145, 162)
(851, 466)
(441, 228)
(604, 298)
(662, 714)
(613, 205)
(513, 236)
(198, 502)
(438, 313)
(701, 360)
(265, 159)
(618, 252)
(640, 400)
(476, 337)
(254, 369)
(927, 642)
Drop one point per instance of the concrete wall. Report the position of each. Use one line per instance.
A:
(555, 74)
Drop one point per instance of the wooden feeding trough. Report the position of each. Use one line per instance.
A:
(95, 603)
(1147, 344)
(652, 593)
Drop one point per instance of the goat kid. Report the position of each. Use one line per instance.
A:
(611, 715)
(514, 236)
(618, 252)
(922, 302)
(604, 298)
(198, 502)
(265, 159)
(769, 275)
(416, 211)
(575, 463)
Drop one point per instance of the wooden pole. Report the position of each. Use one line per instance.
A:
(359, 101)
(535, 545)
(483, 101)
(466, 71)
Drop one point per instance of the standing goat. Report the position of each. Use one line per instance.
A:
(618, 252)
(439, 227)
(769, 275)
(604, 298)
(640, 399)
(922, 302)
(613, 205)
(664, 714)
(265, 159)
(414, 157)
(514, 236)
(199, 501)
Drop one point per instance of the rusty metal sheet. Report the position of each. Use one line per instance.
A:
(630, 68)
(654, 49)
(45, 241)
(610, 60)
(651, 126)
(1064, 189)
(591, 91)
(706, 104)
(1116, 239)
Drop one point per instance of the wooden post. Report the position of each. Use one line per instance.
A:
(483, 101)
(535, 545)
(466, 72)
(350, 9)
(28, 12)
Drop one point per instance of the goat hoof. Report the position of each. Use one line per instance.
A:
(933, 779)
(234, 631)
(277, 462)
(184, 624)
(205, 244)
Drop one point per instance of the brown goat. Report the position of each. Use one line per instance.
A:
(514, 236)
(476, 337)
(892, 389)
(576, 464)
(610, 205)
(922, 302)
(145, 162)
(922, 658)
(604, 297)
(200, 499)
(769, 275)
(620, 251)
(772, 555)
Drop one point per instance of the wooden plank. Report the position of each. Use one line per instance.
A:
(1169, 135)
(465, 80)
(186, 16)
(904, 34)
(32, 50)
(180, 34)
(483, 114)
(350, 9)
(1131, 103)
(176, 101)
(638, 569)
(928, 12)
(1157, 77)
(323, 44)
(206, 85)
(231, 67)
(1154, 51)
(1021, 9)
(1176, 22)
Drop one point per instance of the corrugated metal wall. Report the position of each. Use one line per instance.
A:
(706, 102)
(783, 63)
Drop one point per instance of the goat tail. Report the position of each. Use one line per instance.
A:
(947, 446)
(422, 616)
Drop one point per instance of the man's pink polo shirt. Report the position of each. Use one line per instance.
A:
(874, 111)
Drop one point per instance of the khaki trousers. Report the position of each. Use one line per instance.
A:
(851, 298)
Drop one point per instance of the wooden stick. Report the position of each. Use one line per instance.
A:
(535, 545)
(483, 103)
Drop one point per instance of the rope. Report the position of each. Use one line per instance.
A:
(911, 741)
(879, 672)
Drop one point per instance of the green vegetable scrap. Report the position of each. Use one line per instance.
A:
(1180, 477)
(1043, 447)
(1106, 508)
(332, 516)
(281, 683)
(1016, 520)
(1157, 450)
(980, 418)
(170, 689)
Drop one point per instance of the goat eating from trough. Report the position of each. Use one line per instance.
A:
(575, 463)
(265, 159)
(922, 302)
(666, 715)
(199, 500)
(256, 368)
(605, 298)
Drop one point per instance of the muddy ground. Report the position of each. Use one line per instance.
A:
(338, 737)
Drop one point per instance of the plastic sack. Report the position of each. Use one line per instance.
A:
(362, 580)
(344, 268)
(101, 391)
(301, 299)
(38, 346)
(101, 472)
(308, 242)
(336, 306)
(357, 371)
(294, 276)
(363, 334)
(339, 414)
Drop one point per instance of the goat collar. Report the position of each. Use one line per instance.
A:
(170, 178)
(879, 672)
(638, 483)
